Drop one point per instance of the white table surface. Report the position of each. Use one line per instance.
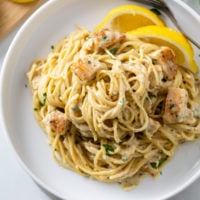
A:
(16, 184)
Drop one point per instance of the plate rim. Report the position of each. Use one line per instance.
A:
(3, 122)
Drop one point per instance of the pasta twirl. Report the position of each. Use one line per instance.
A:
(113, 106)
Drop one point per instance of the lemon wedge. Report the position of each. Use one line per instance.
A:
(22, 1)
(165, 36)
(128, 17)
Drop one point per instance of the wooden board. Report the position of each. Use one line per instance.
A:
(11, 14)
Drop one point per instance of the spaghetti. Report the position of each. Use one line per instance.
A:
(113, 106)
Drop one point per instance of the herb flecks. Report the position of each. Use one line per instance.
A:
(152, 95)
(52, 47)
(121, 143)
(161, 161)
(113, 50)
(44, 99)
(108, 148)
(156, 165)
(172, 105)
(105, 38)
(76, 109)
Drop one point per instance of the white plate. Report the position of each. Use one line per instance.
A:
(44, 28)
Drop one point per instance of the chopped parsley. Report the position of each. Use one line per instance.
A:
(105, 38)
(44, 99)
(113, 50)
(121, 143)
(156, 165)
(108, 148)
(52, 47)
(76, 109)
(151, 94)
(172, 105)
(161, 161)
(35, 109)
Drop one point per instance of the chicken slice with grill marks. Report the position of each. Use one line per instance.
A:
(166, 58)
(176, 110)
(101, 39)
(87, 67)
(56, 121)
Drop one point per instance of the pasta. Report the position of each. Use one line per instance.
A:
(113, 106)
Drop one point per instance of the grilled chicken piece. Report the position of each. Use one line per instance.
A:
(56, 121)
(105, 38)
(101, 40)
(87, 67)
(166, 58)
(176, 110)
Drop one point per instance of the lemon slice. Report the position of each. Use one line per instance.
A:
(129, 17)
(22, 1)
(165, 36)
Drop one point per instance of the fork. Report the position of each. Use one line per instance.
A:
(161, 5)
